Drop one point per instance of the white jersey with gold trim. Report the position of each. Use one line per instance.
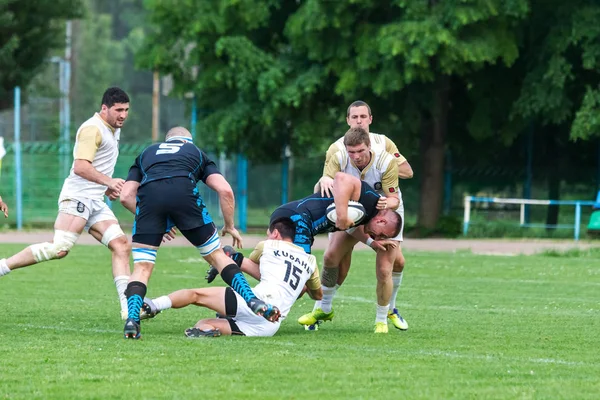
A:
(104, 162)
(284, 270)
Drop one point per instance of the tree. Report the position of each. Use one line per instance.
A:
(97, 62)
(29, 31)
(560, 93)
(270, 73)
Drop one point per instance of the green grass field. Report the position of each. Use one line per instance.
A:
(481, 327)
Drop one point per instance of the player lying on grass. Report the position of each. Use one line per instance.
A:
(283, 270)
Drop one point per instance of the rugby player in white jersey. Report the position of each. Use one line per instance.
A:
(283, 270)
(81, 201)
(338, 255)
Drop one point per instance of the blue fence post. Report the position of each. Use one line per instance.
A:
(18, 167)
(577, 219)
(242, 192)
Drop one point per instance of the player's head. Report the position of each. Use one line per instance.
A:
(115, 107)
(386, 224)
(359, 115)
(358, 146)
(282, 229)
(178, 133)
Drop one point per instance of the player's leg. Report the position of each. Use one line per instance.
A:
(340, 244)
(344, 268)
(67, 228)
(144, 257)
(246, 265)
(148, 229)
(206, 239)
(213, 298)
(384, 263)
(397, 273)
(239, 320)
(105, 228)
(393, 315)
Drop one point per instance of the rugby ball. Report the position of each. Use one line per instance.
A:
(356, 212)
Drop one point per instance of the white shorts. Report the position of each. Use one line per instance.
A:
(400, 210)
(251, 324)
(399, 238)
(93, 211)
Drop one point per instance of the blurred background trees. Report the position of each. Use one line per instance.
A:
(499, 91)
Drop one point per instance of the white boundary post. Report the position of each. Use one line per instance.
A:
(467, 216)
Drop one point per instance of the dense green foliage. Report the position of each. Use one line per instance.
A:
(29, 31)
(272, 73)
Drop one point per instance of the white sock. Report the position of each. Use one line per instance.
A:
(121, 284)
(162, 302)
(328, 294)
(382, 312)
(4, 270)
(318, 304)
(396, 281)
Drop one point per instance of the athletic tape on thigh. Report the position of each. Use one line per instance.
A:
(212, 244)
(112, 232)
(63, 241)
(143, 254)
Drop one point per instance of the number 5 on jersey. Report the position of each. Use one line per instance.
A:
(169, 148)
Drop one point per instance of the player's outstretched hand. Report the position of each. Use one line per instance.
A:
(237, 238)
(111, 194)
(326, 184)
(116, 184)
(384, 245)
(343, 223)
(167, 237)
(4, 208)
(382, 203)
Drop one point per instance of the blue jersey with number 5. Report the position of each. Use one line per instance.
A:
(174, 158)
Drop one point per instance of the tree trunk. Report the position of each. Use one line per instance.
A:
(433, 138)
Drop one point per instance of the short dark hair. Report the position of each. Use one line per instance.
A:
(358, 103)
(356, 136)
(285, 227)
(114, 95)
(398, 224)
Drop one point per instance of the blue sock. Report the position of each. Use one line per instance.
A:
(234, 277)
(135, 292)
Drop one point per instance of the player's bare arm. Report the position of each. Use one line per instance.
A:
(313, 285)
(391, 201)
(227, 203)
(84, 169)
(330, 168)
(405, 170)
(345, 188)
(377, 245)
(3, 208)
(128, 195)
(251, 268)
